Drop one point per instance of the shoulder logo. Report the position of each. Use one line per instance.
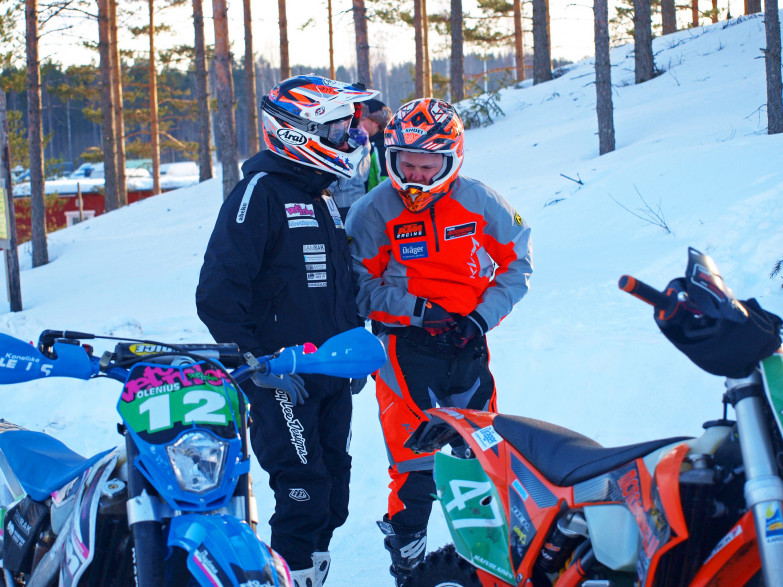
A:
(291, 137)
(517, 218)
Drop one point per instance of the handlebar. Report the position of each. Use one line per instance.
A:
(667, 303)
(226, 353)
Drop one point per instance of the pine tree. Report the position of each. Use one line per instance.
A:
(35, 138)
(224, 88)
(603, 79)
(250, 83)
(772, 64)
(285, 66)
(202, 94)
(362, 43)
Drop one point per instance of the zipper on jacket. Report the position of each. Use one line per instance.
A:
(434, 228)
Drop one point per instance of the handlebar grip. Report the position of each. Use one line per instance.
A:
(646, 293)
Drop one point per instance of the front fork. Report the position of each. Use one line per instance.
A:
(145, 525)
(763, 485)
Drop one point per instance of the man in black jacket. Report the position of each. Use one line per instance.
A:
(277, 272)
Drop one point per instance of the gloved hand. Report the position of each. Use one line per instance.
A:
(466, 330)
(357, 385)
(436, 320)
(291, 383)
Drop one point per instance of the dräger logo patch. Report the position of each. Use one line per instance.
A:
(460, 230)
(409, 230)
(417, 250)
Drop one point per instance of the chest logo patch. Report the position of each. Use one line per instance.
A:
(299, 211)
(460, 230)
(409, 230)
(417, 250)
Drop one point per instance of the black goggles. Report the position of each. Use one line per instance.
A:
(336, 131)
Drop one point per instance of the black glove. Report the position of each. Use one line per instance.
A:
(357, 385)
(466, 330)
(291, 383)
(436, 320)
(721, 346)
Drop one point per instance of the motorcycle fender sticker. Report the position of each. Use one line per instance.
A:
(486, 437)
(773, 523)
(725, 541)
(521, 529)
(202, 560)
(80, 545)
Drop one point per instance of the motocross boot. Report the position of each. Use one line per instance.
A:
(406, 550)
(304, 577)
(321, 562)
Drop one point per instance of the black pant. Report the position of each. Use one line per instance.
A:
(422, 372)
(304, 449)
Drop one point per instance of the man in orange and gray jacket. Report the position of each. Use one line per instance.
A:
(438, 261)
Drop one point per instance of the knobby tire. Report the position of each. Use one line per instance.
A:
(443, 568)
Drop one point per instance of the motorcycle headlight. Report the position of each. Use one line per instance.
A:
(198, 459)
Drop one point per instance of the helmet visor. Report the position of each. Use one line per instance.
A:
(337, 131)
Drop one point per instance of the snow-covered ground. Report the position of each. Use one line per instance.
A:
(691, 145)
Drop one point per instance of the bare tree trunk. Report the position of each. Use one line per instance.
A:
(668, 17)
(644, 67)
(772, 62)
(752, 6)
(603, 79)
(107, 109)
(11, 254)
(457, 52)
(285, 66)
(519, 51)
(35, 138)
(119, 112)
(224, 88)
(425, 22)
(362, 43)
(418, 35)
(250, 84)
(202, 95)
(694, 13)
(154, 132)
(332, 73)
(714, 12)
(542, 50)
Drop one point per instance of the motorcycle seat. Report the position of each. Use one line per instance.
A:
(565, 457)
(41, 463)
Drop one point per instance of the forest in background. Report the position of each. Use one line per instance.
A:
(209, 85)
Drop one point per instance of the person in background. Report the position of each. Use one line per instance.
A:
(277, 272)
(439, 259)
(375, 117)
(346, 191)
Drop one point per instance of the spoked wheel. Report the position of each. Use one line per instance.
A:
(443, 568)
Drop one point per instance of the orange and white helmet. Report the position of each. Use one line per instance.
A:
(425, 125)
(306, 119)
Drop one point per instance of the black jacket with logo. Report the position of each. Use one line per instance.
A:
(277, 271)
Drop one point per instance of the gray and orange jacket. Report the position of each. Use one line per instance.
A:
(469, 251)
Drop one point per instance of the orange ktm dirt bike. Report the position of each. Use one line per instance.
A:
(538, 505)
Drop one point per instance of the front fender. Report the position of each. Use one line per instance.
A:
(222, 550)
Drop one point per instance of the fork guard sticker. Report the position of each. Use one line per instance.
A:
(773, 525)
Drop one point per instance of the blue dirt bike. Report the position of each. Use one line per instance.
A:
(174, 504)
